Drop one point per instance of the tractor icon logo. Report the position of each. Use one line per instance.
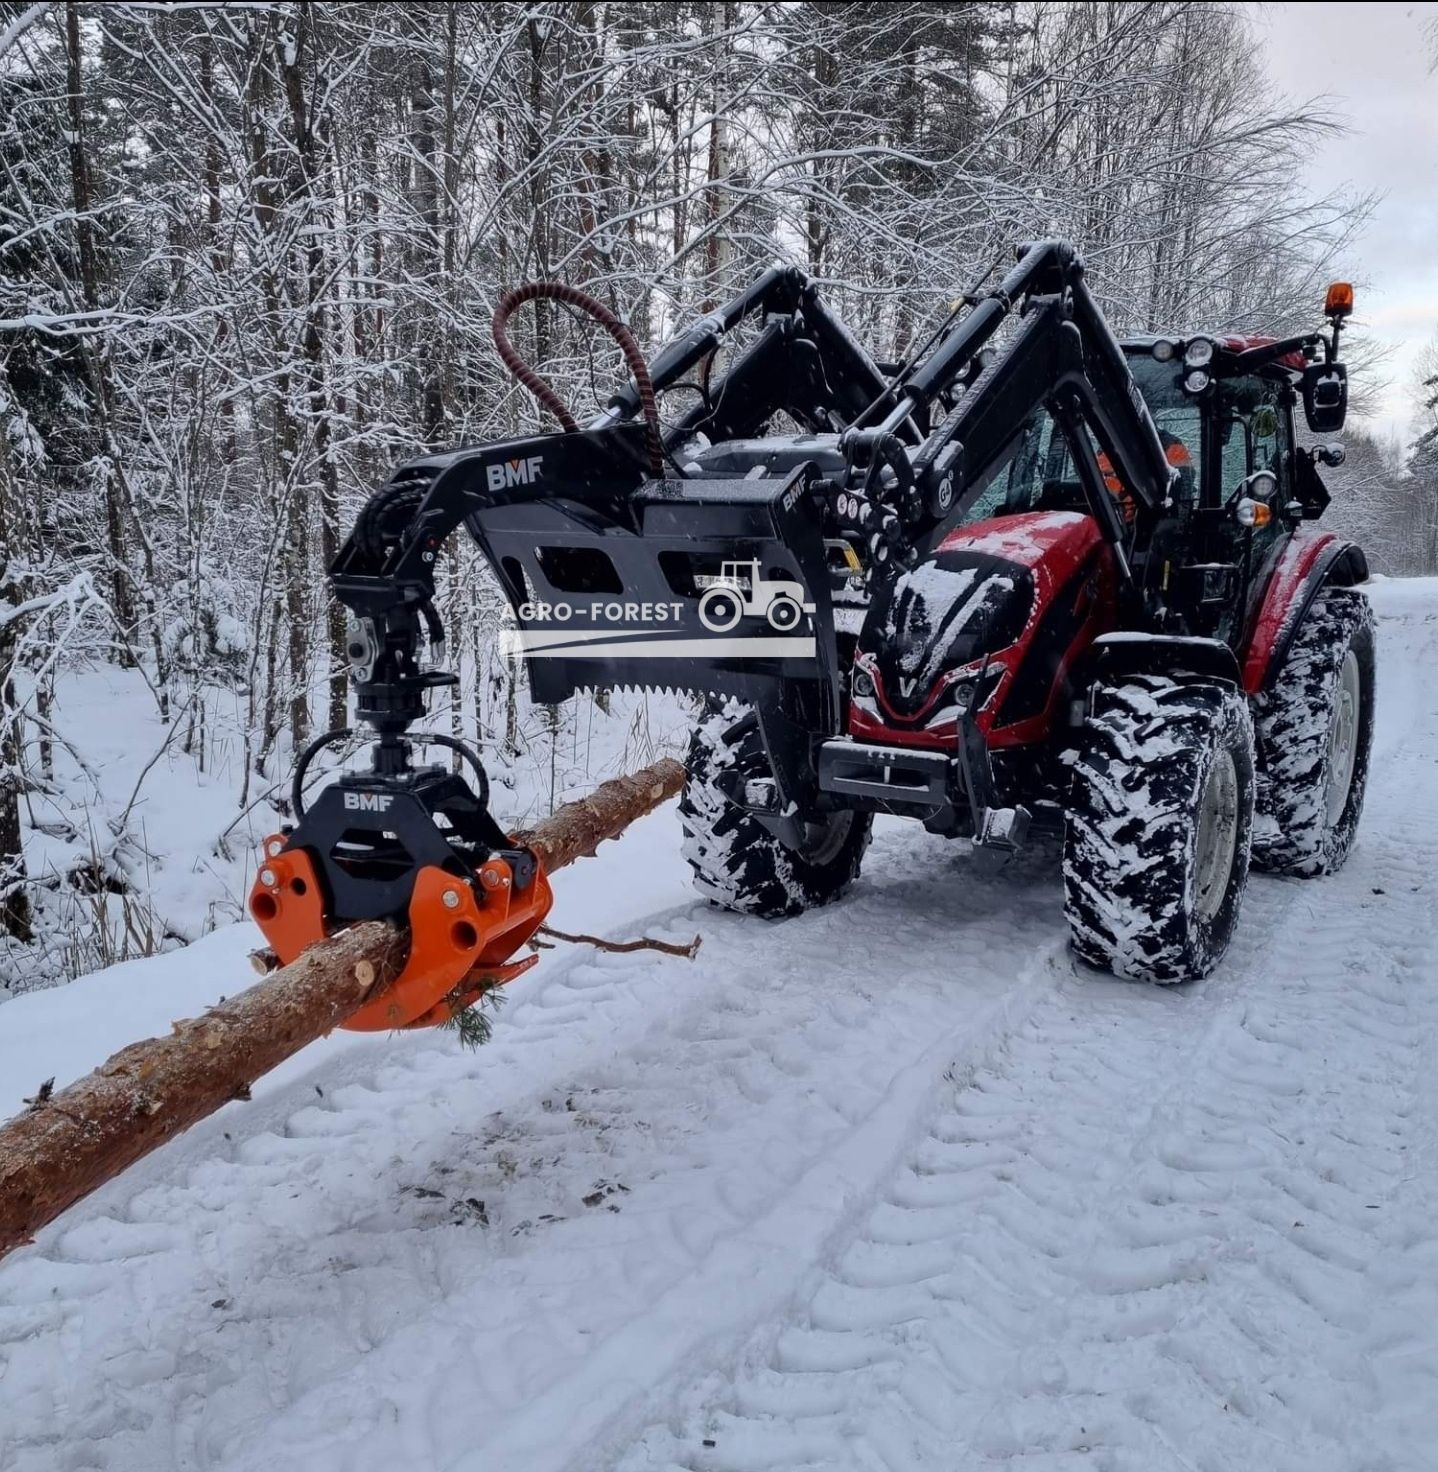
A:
(739, 590)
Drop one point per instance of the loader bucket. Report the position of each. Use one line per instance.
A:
(606, 598)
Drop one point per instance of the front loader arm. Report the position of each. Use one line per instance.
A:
(805, 362)
(1063, 357)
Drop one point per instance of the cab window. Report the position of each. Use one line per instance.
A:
(1177, 417)
(1255, 436)
(1036, 474)
(1254, 430)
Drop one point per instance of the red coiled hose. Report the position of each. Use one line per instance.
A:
(540, 387)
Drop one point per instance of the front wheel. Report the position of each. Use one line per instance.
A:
(1315, 733)
(737, 862)
(784, 614)
(1157, 835)
(720, 609)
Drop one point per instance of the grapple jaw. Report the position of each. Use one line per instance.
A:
(417, 848)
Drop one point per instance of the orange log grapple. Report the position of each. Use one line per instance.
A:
(415, 845)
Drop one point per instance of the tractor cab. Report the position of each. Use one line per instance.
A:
(1224, 409)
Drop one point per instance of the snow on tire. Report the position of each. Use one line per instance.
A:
(1156, 841)
(1315, 730)
(739, 863)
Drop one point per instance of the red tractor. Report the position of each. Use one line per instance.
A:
(1044, 580)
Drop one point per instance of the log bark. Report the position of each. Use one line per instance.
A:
(578, 828)
(69, 1143)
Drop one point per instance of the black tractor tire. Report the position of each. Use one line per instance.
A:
(1158, 828)
(1313, 724)
(737, 861)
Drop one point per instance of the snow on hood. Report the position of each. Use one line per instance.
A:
(1023, 539)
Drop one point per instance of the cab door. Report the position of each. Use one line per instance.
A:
(1255, 432)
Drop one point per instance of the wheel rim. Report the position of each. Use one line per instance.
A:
(1217, 836)
(823, 840)
(1343, 738)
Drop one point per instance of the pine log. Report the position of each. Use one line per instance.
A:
(69, 1143)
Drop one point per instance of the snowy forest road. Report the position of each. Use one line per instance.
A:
(893, 1185)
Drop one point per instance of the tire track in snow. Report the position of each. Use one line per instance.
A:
(1163, 1229)
(528, 1218)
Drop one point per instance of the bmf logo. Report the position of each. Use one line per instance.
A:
(514, 473)
(368, 802)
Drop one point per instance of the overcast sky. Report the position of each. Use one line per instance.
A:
(1373, 61)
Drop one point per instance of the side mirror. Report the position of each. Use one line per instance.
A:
(1310, 495)
(1331, 455)
(1325, 397)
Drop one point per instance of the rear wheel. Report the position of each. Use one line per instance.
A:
(1315, 732)
(737, 861)
(1156, 841)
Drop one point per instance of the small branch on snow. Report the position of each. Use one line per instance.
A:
(41, 1095)
(645, 943)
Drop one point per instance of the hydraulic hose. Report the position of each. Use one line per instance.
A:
(540, 387)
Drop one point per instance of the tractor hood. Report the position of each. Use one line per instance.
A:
(950, 610)
(973, 596)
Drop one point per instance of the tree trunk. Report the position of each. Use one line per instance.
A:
(15, 916)
(716, 248)
(426, 248)
(305, 191)
(121, 590)
(68, 1144)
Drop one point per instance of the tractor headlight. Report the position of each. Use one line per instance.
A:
(1163, 350)
(1196, 380)
(863, 683)
(1199, 353)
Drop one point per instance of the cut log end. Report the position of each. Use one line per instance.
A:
(263, 961)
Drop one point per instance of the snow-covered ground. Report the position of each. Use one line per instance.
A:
(894, 1185)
